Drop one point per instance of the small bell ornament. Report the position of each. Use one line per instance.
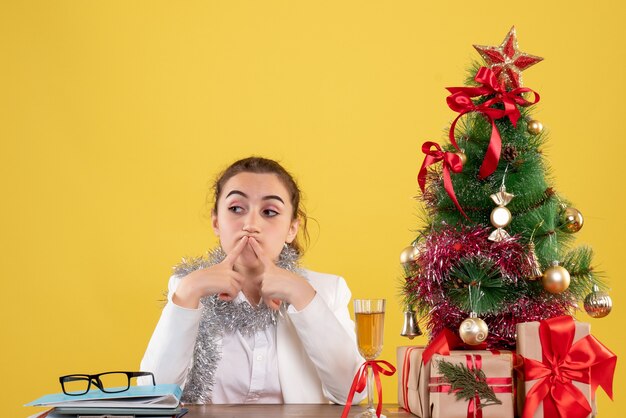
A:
(473, 330)
(571, 220)
(598, 304)
(500, 216)
(410, 328)
(556, 278)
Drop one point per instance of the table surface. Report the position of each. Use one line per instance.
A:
(289, 410)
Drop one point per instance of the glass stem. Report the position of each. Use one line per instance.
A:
(370, 389)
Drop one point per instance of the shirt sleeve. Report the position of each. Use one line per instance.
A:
(327, 334)
(170, 350)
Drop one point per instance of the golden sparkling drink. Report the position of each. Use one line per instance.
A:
(369, 333)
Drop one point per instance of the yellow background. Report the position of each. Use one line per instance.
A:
(116, 115)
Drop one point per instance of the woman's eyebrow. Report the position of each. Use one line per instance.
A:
(273, 196)
(268, 197)
(237, 192)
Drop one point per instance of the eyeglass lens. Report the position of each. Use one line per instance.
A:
(75, 385)
(114, 382)
(107, 382)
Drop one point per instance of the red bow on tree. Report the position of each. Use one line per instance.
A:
(587, 361)
(461, 101)
(451, 162)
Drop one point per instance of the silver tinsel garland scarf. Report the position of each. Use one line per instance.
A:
(218, 317)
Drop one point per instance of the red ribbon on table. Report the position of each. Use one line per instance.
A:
(587, 361)
(360, 382)
(451, 162)
(474, 361)
(461, 101)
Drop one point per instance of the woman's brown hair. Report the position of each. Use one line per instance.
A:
(262, 165)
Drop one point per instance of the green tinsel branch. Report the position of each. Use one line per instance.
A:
(476, 285)
(466, 383)
(583, 275)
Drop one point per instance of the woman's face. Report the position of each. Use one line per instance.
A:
(259, 206)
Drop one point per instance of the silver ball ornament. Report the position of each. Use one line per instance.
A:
(598, 304)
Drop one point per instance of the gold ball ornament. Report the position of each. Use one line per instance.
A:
(409, 254)
(473, 330)
(571, 220)
(598, 304)
(500, 217)
(556, 278)
(534, 127)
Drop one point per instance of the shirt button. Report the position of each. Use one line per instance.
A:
(259, 358)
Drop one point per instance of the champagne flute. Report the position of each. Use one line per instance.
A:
(370, 317)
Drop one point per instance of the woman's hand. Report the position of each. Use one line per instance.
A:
(278, 284)
(219, 279)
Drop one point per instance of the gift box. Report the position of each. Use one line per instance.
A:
(484, 378)
(562, 367)
(414, 380)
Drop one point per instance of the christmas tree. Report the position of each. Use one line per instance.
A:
(496, 248)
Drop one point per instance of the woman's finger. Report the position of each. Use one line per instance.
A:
(272, 303)
(237, 277)
(234, 254)
(231, 292)
(258, 250)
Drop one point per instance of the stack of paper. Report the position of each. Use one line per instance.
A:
(138, 401)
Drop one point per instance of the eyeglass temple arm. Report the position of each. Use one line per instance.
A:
(138, 374)
(95, 379)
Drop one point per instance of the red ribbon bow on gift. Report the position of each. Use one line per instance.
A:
(445, 341)
(461, 101)
(451, 162)
(360, 381)
(587, 361)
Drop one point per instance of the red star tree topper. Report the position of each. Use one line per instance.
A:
(507, 61)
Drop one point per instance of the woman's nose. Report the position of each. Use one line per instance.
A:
(251, 224)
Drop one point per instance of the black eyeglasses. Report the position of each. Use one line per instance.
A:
(109, 382)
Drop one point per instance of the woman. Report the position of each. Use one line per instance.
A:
(246, 324)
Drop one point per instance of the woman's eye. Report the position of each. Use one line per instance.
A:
(235, 209)
(270, 213)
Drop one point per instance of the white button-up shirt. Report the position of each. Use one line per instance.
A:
(248, 369)
(314, 349)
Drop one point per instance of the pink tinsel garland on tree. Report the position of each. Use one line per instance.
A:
(442, 249)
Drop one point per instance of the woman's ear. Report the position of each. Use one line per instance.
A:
(293, 231)
(214, 223)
